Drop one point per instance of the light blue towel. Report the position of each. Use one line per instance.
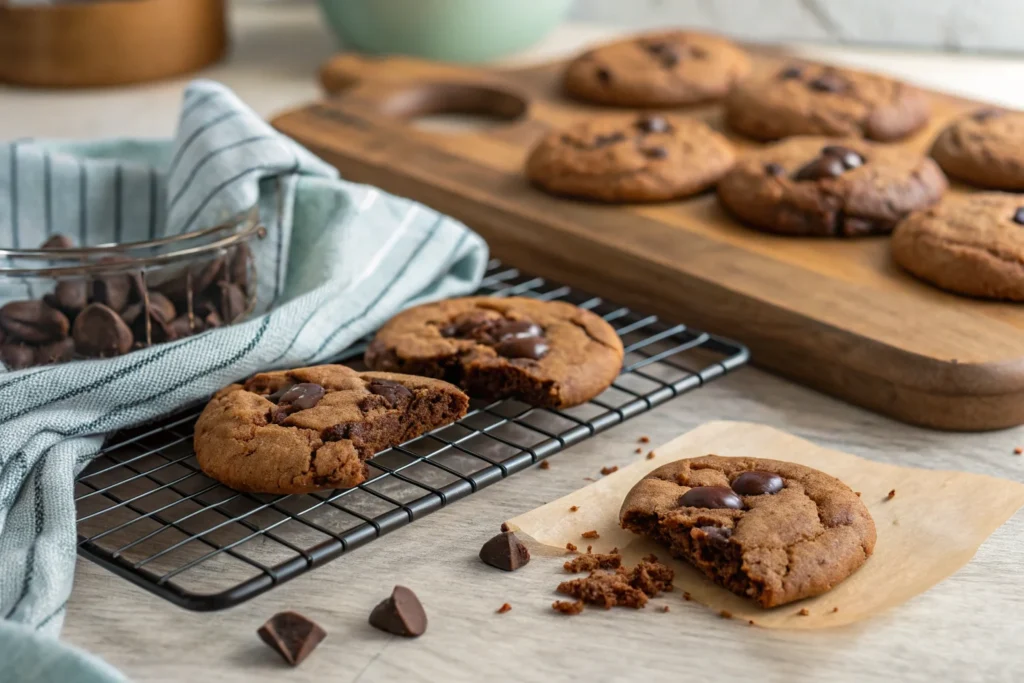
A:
(339, 259)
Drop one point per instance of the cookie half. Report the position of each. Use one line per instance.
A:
(768, 530)
(545, 353)
(815, 186)
(303, 430)
(665, 69)
(642, 158)
(812, 99)
(971, 244)
(984, 149)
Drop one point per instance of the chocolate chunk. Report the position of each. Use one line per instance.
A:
(58, 242)
(401, 614)
(469, 327)
(505, 552)
(655, 153)
(302, 396)
(604, 76)
(17, 356)
(99, 332)
(233, 302)
(829, 81)
(791, 72)
(821, 168)
(534, 348)
(516, 329)
(34, 322)
(757, 483)
(114, 290)
(1018, 216)
(292, 636)
(664, 53)
(609, 139)
(774, 169)
(716, 535)
(986, 114)
(69, 297)
(180, 327)
(394, 393)
(653, 124)
(58, 352)
(711, 497)
(850, 158)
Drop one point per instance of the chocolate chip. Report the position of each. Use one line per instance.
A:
(513, 329)
(829, 81)
(302, 396)
(58, 242)
(232, 301)
(180, 327)
(609, 139)
(821, 168)
(401, 614)
(99, 332)
(1018, 216)
(69, 297)
(774, 169)
(115, 289)
(505, 552)
(523, 347)
(34, 322)
(394, 393)
(655, 152)
(467, 327)
(653, 124)
(711, 497)
(791, 72)
(58, 352)
(292, 636)
(850, 158)
(17, 356)
(664, 52)
(757, 483)
(603, 76)
(986, 114)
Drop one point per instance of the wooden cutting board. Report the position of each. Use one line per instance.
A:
(834, 314)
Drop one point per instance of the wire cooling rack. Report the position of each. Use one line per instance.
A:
(147, 512)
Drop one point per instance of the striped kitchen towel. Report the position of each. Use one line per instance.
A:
(338, 260)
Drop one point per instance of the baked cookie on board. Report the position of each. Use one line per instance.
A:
(984, 149)
(817, 186)
(303, 430)
(545, 353)
(971, 244)
(813, 99)
(772, 531)
(665, 69)
(642, 158)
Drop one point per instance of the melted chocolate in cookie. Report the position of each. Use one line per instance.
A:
(830, 81)
(653, 124)
(1018, 217)
(711, 497)
(833, 162)
(394, 393)
(774, 169)
(757, 483)
(510, 338)
(533, 348)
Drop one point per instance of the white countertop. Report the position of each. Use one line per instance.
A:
(967, 628)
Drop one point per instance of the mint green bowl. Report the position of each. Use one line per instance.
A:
(448, 30)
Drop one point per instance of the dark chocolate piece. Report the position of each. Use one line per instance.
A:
(99, 332)
(712, 497)
(292, 636)
(757, 483)
(394, 393)
(505, 552)
(34, 322)
(401, 614)
(533, 348)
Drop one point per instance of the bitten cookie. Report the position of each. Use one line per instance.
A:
(630, 159)
(304, 430)
(984, 149)
(665, 69)
(810, 99)
(545, 353)
(970, 244)
(816, 186)
(772, 531)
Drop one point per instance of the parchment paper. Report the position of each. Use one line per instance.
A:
(927, 531)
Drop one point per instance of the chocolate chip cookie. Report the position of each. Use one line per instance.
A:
(812, 99)
(297, 431)
(545, 353)
(984, 149)
(817, 186)
(665, 69)
(768, 530)
(641, 158)
(970, 244)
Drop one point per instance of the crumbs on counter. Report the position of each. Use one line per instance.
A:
(544, 465)
(687, 596)
(725, 614)
(639, 450)
(571, 548)
(834, 610)
(566, 607)
(664, 608)
(644, 439)
(1018, 451)
(605, 471)
(504, 608)
(804, 612)
(892, 494)
(574, 508)
(650, 456)
(591, 534)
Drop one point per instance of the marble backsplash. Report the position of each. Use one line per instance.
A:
(955, 25)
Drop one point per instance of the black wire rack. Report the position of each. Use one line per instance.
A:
(146, 511)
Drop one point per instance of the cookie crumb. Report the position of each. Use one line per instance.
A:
(504, 608)
(650, 456)
(544, 465)
(504, 527)
(645, 439)
(589, 479)
(725, 614)
(687, 596)
(574, 508)
(571, 548)
(1018, 450)
(664, 608)
(639, 451)
(751, 623)
(566, 607)
(621, 587)
(858, 493)
(589, 562)
(608, 470)
(591, 534)
(892, 494)
(589, 548)
(834, 610)
(804, 612)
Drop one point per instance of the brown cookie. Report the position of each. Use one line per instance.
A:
(665, 69)
(984, 149)
(640, 158)
(812, 99)
(816, 186)
(303, 430)
(970, 244)
(768, 530)
(545, 353)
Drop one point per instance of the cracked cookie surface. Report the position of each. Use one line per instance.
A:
(813, 99)
(663, 69)
(970, 245)
(984, 149)
(545, 353)
(637, 158)
(817, 186)
(297, 431)
(772, 531)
